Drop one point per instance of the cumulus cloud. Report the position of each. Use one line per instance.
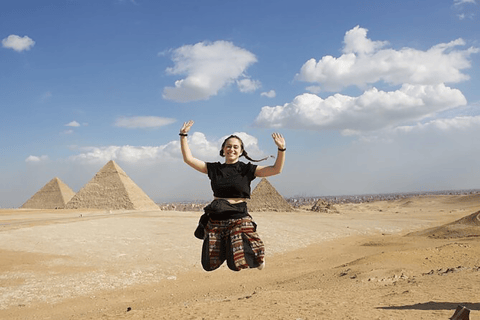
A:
(73, 124)
(365, 62)
(36, 159)
(248, 85)
(373, 110)
(356, 41)
(18, 43)
(208, 68)
(207, 150)
(269, 94)
(142, 122)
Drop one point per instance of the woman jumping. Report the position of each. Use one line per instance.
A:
(227, 229)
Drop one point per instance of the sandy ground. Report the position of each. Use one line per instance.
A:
(358, 264)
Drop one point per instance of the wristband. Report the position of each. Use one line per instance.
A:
(284, 149)
(183, 134)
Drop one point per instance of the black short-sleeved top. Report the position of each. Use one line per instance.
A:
(231, 180)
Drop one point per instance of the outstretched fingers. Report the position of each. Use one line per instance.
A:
(186, 126)
(279, 140)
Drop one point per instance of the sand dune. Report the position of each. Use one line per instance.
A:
(368, 261)
(465, 227)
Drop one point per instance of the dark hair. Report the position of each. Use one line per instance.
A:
(244, 153)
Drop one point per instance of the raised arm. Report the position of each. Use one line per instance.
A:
(193, 162)
(267, 171)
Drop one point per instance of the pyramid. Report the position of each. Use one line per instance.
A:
(324, 206)
(111, 189)
(54, 195)
(265, 198)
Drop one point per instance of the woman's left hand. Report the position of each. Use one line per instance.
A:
(279, 140)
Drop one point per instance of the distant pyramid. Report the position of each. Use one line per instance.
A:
(265, 198)
(111, 189)
(324, 206)
(54, 195)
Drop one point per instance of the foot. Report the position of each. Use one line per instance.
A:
(261, 266)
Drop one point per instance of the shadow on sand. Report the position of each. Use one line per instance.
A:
(431, 305)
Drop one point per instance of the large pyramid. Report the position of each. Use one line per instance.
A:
(265, 198)
(54, 195)
(111, 189)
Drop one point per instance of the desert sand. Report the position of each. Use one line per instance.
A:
(402, 259)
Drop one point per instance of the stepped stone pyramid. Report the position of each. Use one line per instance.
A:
(54, 195)
(266, 198)
(111, 189)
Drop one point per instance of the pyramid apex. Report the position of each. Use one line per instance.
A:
(111, 165)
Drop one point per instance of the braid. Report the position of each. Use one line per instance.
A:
(245, 154)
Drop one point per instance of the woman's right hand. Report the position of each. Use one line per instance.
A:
(186, 126)
(189, 159)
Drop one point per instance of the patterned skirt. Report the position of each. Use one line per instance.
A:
(234, 240)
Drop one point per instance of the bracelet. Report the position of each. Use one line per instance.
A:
(183, 134)
(284, 149)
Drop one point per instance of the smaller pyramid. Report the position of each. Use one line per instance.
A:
(111, 189)
(266, 198)
(324, 206)
(54, 195)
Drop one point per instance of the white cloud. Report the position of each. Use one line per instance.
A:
(356, 41)
(68, 131)
(373, 110)
(123, 153)
(460, 6)
(269, 94)
(248, 85)
(208, 67)
(36, 158)
(73, 124)
(201, 147)
(364, 62)
(143, 122)
(460, 2)
(17, 43)
(314, 89)
(461, 123)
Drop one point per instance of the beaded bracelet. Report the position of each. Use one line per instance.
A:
(183, 134)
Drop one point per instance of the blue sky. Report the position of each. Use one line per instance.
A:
(372, 96)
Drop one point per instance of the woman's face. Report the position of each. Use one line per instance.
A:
(232, 150)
